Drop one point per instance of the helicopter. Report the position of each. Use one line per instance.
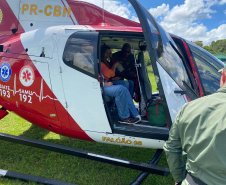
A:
(42, 82)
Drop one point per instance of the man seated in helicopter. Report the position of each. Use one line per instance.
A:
(127, 111)
(126, 68)
(108, 68)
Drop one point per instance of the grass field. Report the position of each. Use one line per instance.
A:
(33, 161)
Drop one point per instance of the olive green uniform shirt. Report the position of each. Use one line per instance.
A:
(200, 130)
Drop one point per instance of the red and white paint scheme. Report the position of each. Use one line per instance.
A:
(43, 82)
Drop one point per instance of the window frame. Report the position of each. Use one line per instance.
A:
(83, 35)
(204, 57)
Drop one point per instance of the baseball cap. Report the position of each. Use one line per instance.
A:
(222, 68)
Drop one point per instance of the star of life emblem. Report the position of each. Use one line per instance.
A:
(27, 76)
(5, 72)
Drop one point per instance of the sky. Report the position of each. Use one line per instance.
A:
(194, 20)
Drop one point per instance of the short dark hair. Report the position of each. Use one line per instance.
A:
(125, 46)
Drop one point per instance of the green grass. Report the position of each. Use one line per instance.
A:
(33, 161)
(151, 77)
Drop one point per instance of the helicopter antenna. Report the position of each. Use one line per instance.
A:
(103, 9)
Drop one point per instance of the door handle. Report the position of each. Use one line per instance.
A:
(179, 92)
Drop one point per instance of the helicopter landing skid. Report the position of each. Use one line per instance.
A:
(144, 167)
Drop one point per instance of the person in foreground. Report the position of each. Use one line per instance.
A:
(200, 130)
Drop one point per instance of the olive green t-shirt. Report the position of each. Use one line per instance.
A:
(200, 130)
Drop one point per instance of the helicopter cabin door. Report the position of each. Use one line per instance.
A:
(80, 82)
(170, 72)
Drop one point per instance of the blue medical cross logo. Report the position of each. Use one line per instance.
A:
(5, 72)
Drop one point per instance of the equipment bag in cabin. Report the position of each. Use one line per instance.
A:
(156, 115)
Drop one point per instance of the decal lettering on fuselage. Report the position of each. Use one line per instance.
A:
(5, 72)
(27, 76)
(48, 10)
(121, 141)
(1, 16)
(5, 91)
(25, 95)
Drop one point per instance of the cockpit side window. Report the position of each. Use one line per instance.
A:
(80, 52)
(167, 55)
(208, 70)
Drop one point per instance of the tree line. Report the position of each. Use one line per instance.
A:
(215, 47)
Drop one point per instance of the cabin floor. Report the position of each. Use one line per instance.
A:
(141, 129)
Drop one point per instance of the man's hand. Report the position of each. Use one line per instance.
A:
(107, 84)
(115, 66)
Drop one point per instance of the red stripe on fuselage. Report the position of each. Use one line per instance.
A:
(45, 110)
(9, 22)
(70, 15)
(89, 14)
